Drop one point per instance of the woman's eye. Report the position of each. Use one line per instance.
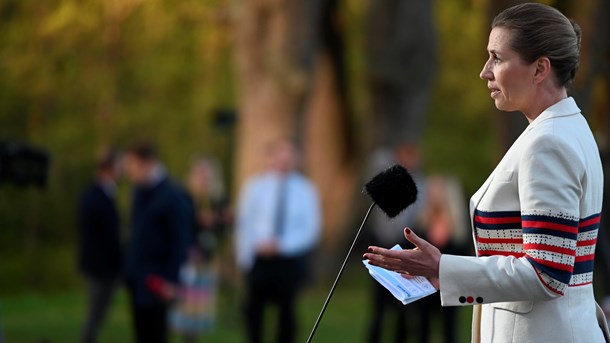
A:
(495, 59)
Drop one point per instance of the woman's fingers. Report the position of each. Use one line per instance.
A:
(395, 260)
(413, 238)
(423, 260)
(386, 252)
(384, 261)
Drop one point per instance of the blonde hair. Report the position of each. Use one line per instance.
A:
(542, 31)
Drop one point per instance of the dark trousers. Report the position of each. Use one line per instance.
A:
(384, 303)
(150, 323)
(99, 296)
(273, 281)
(427, 307)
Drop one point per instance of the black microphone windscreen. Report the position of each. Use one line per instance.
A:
(392, 190)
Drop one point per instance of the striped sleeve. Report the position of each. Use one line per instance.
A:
(588, 229)
(549, 243)
(550, 190)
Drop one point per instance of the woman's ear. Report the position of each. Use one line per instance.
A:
(543, 69)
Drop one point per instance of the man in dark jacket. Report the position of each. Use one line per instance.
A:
(99, 242)
(161, 233)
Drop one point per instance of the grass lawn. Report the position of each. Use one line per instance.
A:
(56, 318)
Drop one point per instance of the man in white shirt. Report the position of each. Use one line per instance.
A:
(278, 225)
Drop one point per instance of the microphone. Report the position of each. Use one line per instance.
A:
(392, 190)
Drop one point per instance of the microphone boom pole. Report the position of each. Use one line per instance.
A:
(332, 289)
(392, 191)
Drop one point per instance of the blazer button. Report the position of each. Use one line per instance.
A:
(462, 299)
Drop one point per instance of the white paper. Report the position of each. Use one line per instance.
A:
(405, 290)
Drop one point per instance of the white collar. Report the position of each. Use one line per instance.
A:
(562, 108)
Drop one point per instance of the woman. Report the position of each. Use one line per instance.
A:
(535, 220)
(212, 213)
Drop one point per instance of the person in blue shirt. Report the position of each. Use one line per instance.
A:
(161, 224)
(278, 225)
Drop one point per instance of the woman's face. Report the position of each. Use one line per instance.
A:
(200, 178)
(509, 78)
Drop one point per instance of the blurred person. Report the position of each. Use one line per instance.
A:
(444, 217)
(193, 311)
(212, 213)
(193, 297)
(99, 243)
(161, 232)
(278, 225)
(535, 220)
(195, 305)
(387, 232)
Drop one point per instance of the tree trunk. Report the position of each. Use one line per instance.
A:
(265, 99)
(401, 65)
(291, 82)
(328, 160)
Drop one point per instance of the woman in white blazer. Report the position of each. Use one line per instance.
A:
(535, 220)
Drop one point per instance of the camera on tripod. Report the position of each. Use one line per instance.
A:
(22, 164)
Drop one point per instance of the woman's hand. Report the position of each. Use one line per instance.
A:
(424, 260)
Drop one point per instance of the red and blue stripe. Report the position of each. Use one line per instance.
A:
(551, 246)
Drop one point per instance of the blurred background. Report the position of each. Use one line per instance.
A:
(222, 78)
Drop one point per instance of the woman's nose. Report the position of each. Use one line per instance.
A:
(486, 73)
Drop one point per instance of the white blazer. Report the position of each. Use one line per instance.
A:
(535, 222)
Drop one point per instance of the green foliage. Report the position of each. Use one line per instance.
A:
(459, 136)
(77, 76)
